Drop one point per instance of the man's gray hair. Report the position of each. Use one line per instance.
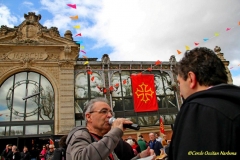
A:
(14, 147)
(89, 105)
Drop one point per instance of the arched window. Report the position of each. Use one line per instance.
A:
(26, 105)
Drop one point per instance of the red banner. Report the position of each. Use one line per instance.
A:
(161, 126)
(144, 94)
(51, 141)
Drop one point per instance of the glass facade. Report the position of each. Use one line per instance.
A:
(26, 105)
(90, 85)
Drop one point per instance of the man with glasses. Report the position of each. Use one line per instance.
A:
(98, 140)
(50, 153)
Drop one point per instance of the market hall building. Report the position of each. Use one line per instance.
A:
(44, 86)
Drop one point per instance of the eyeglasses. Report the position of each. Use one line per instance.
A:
(104, 111)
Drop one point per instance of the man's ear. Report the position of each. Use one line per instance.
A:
(192, 79)
(88, 117)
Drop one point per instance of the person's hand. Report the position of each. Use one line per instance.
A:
(152, 152)
(119, 123)
(147, 152)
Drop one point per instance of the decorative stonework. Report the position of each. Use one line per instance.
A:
(105, 59)
(217, 49)
(5, 69)
(31, 32)
(26, 55)
(53, 56)
(53, 71)
(33, 47)
(66, 64)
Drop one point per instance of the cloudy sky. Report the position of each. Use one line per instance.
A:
(139, 30)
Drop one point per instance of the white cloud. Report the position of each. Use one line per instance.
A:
(27, 3)
(143, 30)
(234, 63)
(5, 17)
(236, 80)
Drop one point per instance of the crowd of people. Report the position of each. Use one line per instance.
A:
(47, 152)
(157, 143)
(11, 152)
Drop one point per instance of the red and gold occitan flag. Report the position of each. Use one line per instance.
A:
(144, 94)
(51, 141)
(161, 126)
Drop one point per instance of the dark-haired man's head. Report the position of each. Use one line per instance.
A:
(199, 69)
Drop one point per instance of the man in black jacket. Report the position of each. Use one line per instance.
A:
(9, 154)
(154, 144)
(60, 153)
(16, 155)
(208, 124)
(25, 155)
(123, 150)
(4, 152)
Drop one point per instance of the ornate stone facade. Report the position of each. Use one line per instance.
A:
(33, 47)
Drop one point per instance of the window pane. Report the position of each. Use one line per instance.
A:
(148, 120)
(81, 82)
(2, 131)
(96, 85)
(46, 105)
(16, 130)
(169, 119)
(33, 99)
(133, 119)
(158, 84)
(130, 114)
(169, 101)
(18, 102)
(81, 79)
(81, 91)
(128, 104)
(45, 129)
(7, 130)
(6, 99)
(117, 104)
(30, 129)
(126, 83)
(17, 118)
(115, 82)
(166, 80)
(80, 123)
(33, 76)
(79, 105)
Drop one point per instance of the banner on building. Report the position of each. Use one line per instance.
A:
(161, 126)
(144, 94)
(51, 141)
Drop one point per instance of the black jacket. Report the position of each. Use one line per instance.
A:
(4, 153)
(25, 156)
(156, 146)
(123, 150)
(59, 154)
(9, 155)
(208, 126)
(16, 156)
